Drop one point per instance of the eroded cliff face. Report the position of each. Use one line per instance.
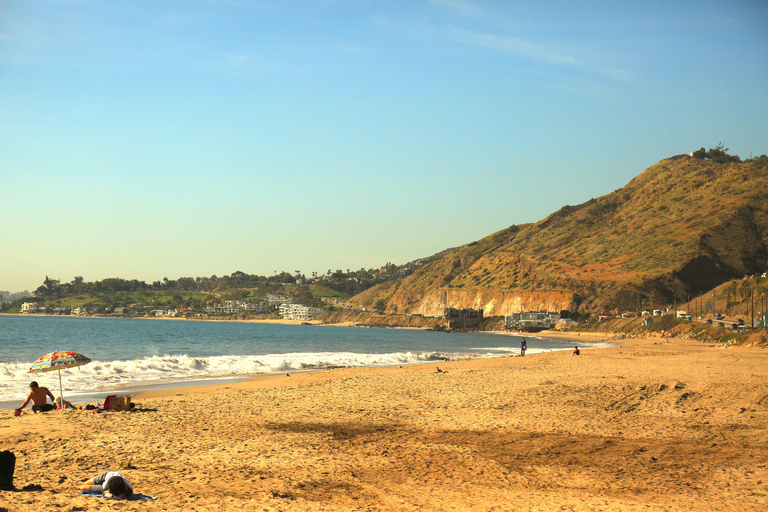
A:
(492, 302)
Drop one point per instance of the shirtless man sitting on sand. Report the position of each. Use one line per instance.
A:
(39, 396)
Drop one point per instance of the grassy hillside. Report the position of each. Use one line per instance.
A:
(680, 228)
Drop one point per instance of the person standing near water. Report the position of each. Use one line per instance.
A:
(523, 347)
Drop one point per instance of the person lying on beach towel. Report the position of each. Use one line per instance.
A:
(109, 484)
(65, 405)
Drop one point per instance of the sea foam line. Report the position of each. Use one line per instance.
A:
(99, 375)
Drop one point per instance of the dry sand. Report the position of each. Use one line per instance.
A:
(648, 426)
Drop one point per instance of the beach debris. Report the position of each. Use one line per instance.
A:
(7, 467)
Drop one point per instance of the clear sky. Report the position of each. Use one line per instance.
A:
(152, 139)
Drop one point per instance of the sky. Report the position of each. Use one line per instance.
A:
(153, 139)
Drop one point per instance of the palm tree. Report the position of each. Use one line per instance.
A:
(745, 289)
(733, 288)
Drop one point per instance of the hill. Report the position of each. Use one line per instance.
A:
(683, 226)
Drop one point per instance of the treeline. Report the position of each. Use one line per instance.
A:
(339, 283)
(720, 155)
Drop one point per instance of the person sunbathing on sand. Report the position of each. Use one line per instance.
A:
(38, 395)
(111, 484)
(64, 405)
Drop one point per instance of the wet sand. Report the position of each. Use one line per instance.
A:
(650, 425)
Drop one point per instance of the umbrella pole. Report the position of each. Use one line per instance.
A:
(61, 392)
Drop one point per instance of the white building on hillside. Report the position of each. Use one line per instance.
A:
(298, 312)
(30, 307)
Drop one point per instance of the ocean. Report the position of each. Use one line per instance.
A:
(135, 354)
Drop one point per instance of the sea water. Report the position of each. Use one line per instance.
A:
(136, 353)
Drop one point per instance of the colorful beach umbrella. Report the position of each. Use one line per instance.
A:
(58, 361)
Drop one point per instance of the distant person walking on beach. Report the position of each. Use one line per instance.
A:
(576, 351)
(523, 347)
(38, 395)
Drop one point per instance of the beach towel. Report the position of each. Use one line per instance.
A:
(135, 496)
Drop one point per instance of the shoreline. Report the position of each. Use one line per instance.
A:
(80, 395)
(576, 336)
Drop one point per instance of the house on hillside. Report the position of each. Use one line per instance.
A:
(299, 312)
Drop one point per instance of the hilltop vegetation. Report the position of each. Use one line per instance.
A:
(680, 228)
(194, 294)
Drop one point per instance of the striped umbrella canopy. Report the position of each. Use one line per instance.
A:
(58, 361)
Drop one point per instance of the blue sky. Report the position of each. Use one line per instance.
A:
(152, 139)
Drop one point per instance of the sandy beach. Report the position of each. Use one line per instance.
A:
(650, 425)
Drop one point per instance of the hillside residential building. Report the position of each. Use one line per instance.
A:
(299, 312)
(274, 298)
(232, 307)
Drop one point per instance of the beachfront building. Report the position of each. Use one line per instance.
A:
(299, 312)
(531, 321)
(233, 307)
(762, 321)
(30, 307)
(565, 322)
(164, 311)
(462, 318)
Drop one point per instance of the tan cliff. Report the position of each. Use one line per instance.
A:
(491, 302)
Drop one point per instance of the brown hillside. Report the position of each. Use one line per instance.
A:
(681, 227)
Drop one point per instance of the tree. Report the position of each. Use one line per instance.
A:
(720, 155)
(701, 154)
(745, 289)
(734, 288)
(762, 159)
